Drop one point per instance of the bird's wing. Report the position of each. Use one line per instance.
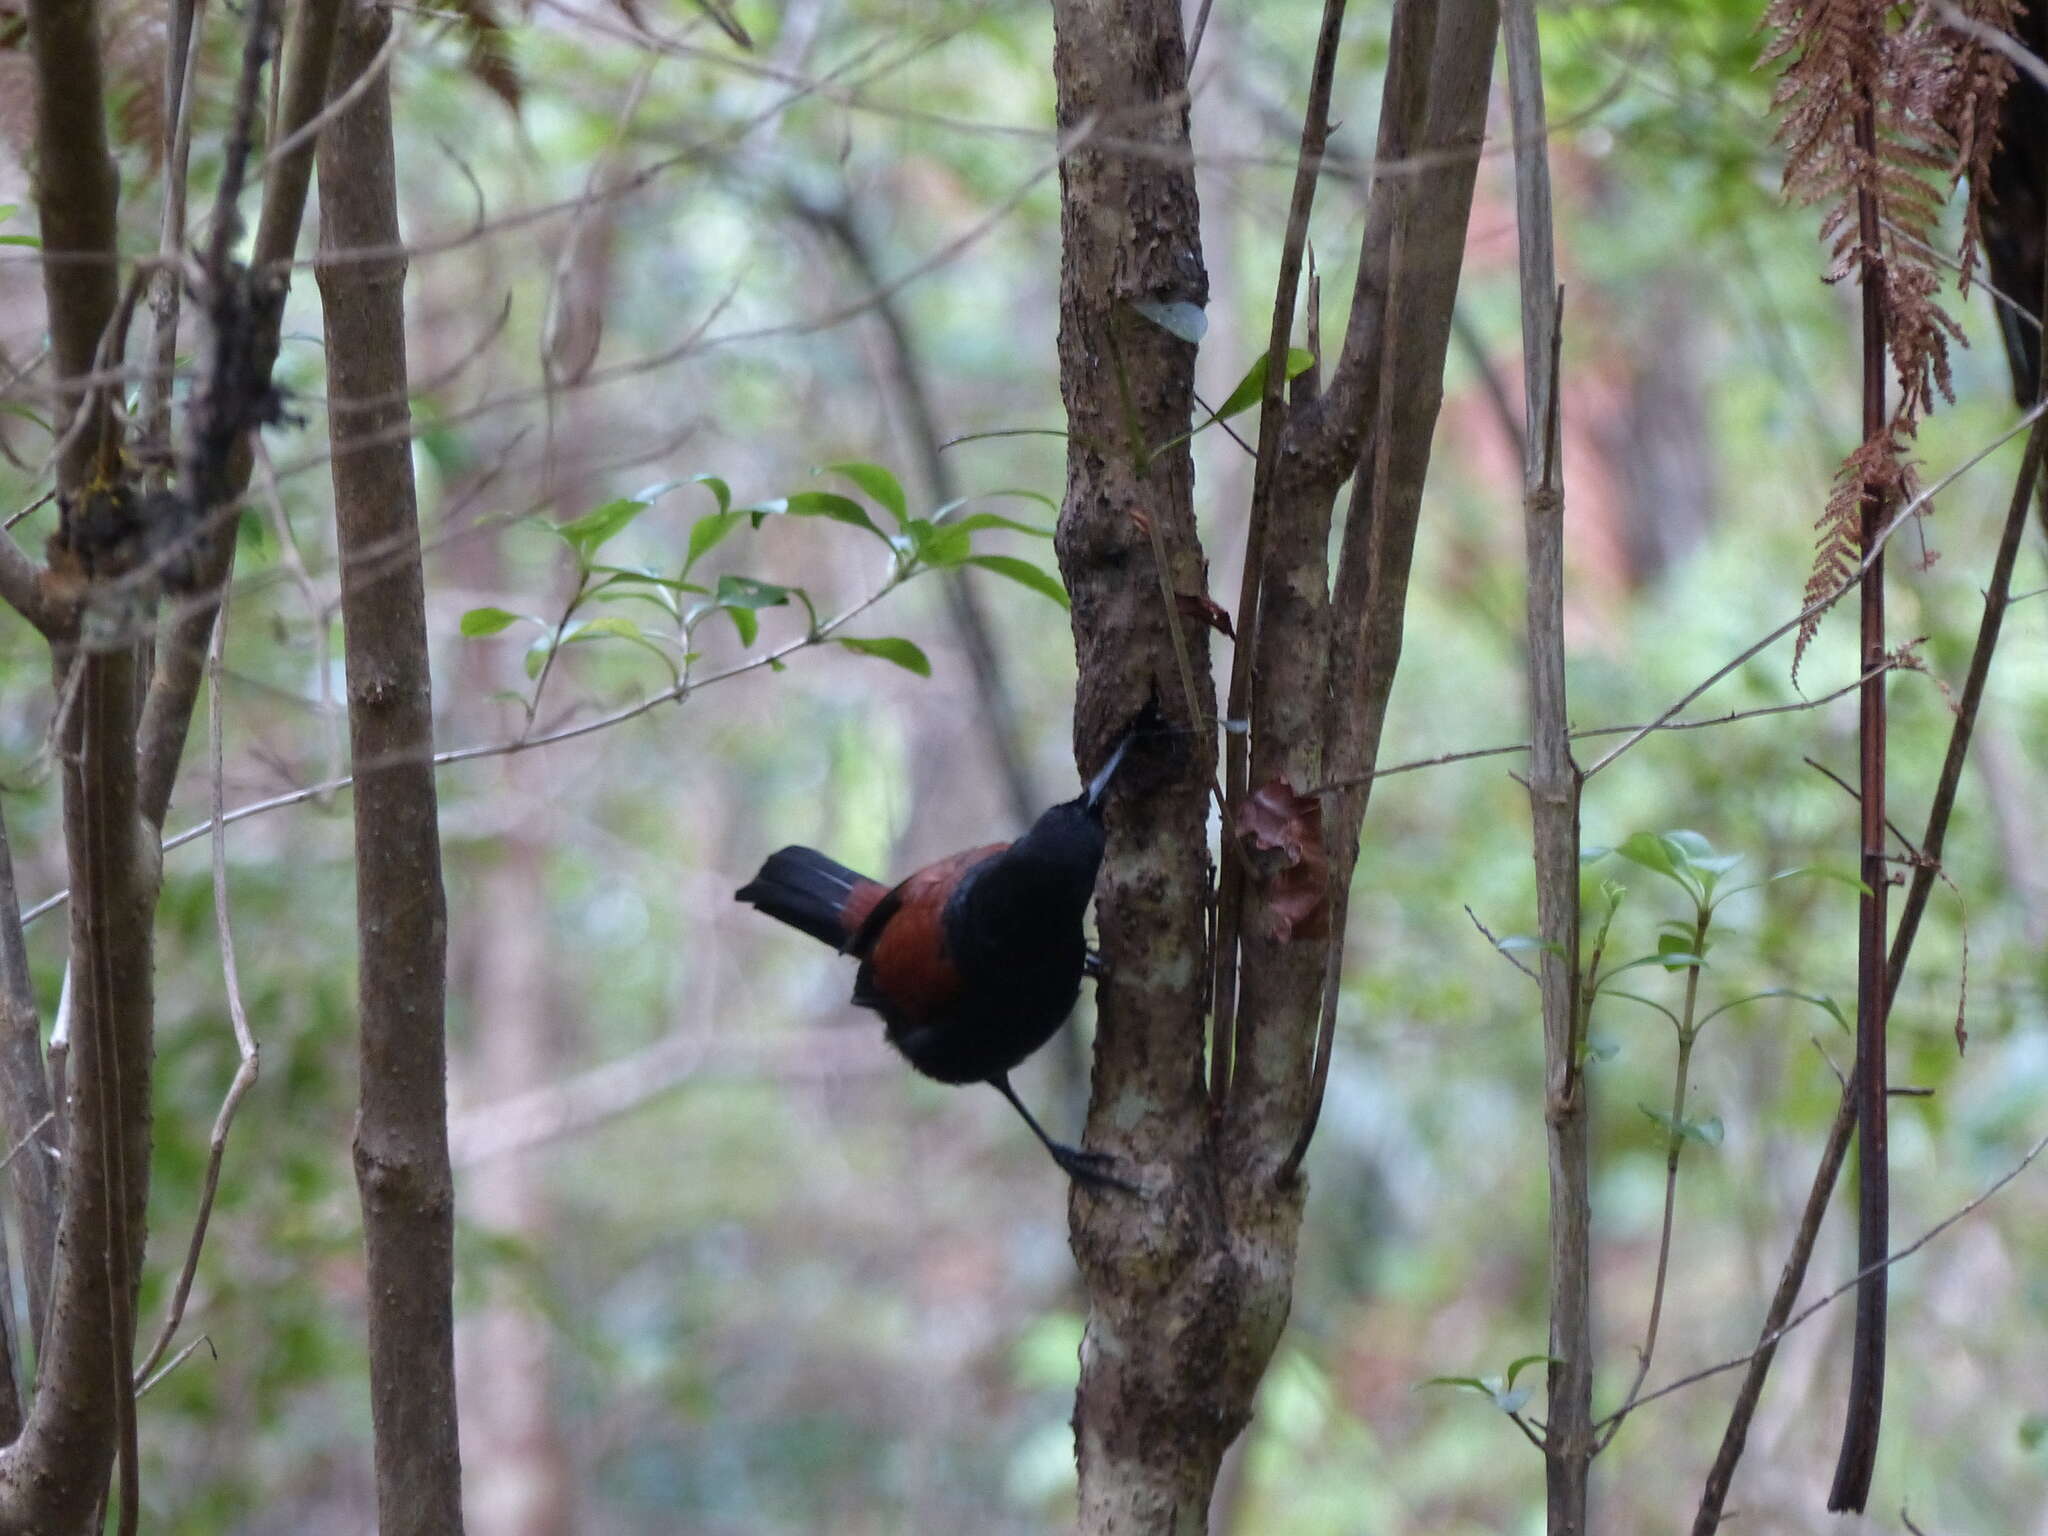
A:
(901, 941)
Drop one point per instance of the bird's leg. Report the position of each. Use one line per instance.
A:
(1093, 966)
(1089, 1168)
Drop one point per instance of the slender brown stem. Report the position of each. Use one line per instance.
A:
(1688, 1031)
(179, 665)
(249, 1060)
(1858, 1460)
(1224, 1046)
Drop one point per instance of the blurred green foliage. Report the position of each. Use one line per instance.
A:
(789, 1287)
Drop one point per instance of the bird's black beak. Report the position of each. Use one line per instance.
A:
(1099, 785)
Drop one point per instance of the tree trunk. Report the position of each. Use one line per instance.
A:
(401, 1145)
(1190, 1282)
(1188, 1289)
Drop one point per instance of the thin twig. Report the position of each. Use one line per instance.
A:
(1232, 878)
(177, 1360)
(1770, 1339)
(1687, 1032)
(327, 788)
(1873, 551)
(1472, 754)
(1735, 1436)
(247, 1067)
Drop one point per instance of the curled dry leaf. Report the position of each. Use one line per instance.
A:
(1204, 609)
(1282, 836)
(1141, 521)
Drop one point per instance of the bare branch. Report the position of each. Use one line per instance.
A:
(1772, 1336)
(245, 1040)
(181, 647)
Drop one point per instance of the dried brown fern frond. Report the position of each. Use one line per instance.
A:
(1878, 467)
(1972, 92)
(1883, 111)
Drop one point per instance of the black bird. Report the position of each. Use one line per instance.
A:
(973, 962)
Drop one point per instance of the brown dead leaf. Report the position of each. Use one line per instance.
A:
(489, 46)
(1204, 609)
(1282, 835)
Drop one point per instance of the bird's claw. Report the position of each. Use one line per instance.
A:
(1092, 1170)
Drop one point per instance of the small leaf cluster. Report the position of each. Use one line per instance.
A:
(1500, 1390)
(685, 599)
(1687, 861)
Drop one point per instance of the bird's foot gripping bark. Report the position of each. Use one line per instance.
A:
(1090, 1169)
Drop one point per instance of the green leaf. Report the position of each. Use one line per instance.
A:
(1507, 1399)
(1825, 872)
(479, 622)
(740, 597)
(879, 485)
(658, 596)
(1179, 318)
(940, 547)
(1251, 389)
(1651, 852)
(1023, 572)
(2033, 1431)
(841, 509)
(1826, 1004)
(1694, 848)
(593, 529)
(598, 629)
(717, 487)
(1676, 951)
(708, 532)
(745, 593)
(1708, 1131)
(1598, 1048)
(1670, 962)
(977, 521)
(902, 652)
(643, 575)
(617, 627)
(1019, 493)
(1517, 1366)
(1635, 997)
(1465, 1383)
(538, 652)
(1590, 853)
(16, 408)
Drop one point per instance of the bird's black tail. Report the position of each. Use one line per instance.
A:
(803, 888)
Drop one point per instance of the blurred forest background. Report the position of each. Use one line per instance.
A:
(726, 1266)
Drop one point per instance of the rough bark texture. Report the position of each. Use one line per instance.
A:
(1185, 1309)
(1190, 1283)
(77, 194)
(52, 1478)
(401, 1145)
(54, 1475)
